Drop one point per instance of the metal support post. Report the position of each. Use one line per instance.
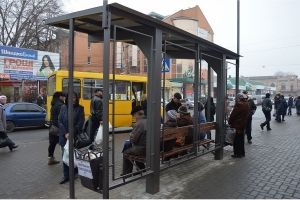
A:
(196, 99)
(237, 71)
(70, 108)
(153, 118)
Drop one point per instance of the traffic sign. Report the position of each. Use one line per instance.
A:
(165, 68)
(4, 76)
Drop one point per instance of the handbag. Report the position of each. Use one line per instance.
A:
(54, 130)
(268, 109)
(230, 135)
(82, 140)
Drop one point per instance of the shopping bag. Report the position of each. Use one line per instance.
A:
(230, 135)
(66, 155)
(82, 140)
(99, 137)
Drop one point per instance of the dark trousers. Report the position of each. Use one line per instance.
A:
(128, 166)
(238, 145)
(95, 123)
(66, 167)
(290, 110)
(268, 119)
(3, 135)
(249, 129)
(53, 141)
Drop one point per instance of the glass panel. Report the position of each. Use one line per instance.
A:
(89, 85)
(19, 108)
(76, 85)
(51, 85)
(122, 90)
(34, 108)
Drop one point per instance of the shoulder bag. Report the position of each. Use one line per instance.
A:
(54, 130)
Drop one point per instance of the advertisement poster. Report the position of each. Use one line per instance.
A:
(27, 64)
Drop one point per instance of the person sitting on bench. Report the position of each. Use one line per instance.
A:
(137, 140)
(201, 120)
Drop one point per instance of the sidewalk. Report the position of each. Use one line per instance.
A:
(269, 170)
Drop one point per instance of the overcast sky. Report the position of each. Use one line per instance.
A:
(269, 29)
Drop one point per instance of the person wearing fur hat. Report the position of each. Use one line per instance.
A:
(183, 119)
(137, 140)
(238, 120)
(3, 134)
(252, 109)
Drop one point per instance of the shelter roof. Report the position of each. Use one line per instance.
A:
(90, 21)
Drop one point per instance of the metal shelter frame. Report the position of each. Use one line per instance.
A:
(150, 35)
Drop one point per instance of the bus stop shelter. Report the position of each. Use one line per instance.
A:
(113, 23)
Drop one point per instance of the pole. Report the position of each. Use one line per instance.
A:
(70, 108)
(237, 85)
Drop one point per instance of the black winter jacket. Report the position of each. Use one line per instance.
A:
(54, 112)
(97, 107)
(172, 106)
(252, 108)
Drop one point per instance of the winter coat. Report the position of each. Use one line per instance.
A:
(283, 106)
(138, 137)
(297, 104)
(290, 102)
(277, 103)
(144, 105)
(212, 111)
(183, 120)
(201, 120)
(96, 107)
(172, 106)
(2, 119)
(55, 109)
(252, 108)
(227, 107)
(78, 119)
(169, 144)
(238, 116)
(266, 103)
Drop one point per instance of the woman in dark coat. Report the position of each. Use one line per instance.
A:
(283, 107)
(238, 120)
(78, 117)
(212, 110)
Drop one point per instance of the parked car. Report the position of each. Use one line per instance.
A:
(189, 103)
(183, 102)
(24, 115)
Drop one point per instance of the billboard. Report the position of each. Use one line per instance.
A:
(28, 64)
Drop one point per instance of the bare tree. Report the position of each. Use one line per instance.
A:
(22, 24)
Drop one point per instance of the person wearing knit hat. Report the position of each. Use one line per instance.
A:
(183, 119)
(171, 115)
(252, 109)
(11, 145)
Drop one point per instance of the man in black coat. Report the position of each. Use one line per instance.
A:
(174, 104)
(290, 104)
(252, 109)
(96, 113)
(56, 103)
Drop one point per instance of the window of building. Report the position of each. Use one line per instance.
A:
(282, 86)
(272, 85)
(89, 46)
(179, 70)
(292, 87)
(89, 60)
(145, 64)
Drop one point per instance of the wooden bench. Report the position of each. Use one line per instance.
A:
(174, 133)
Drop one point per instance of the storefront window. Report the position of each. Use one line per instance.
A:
(89, 85)
(76, 85)
(51, 85)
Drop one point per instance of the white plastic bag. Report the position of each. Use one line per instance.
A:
(99, 137)
(66, 155)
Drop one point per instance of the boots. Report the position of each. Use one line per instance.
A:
(52, 161)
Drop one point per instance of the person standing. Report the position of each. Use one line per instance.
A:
(238, 120)
(252, 109)
(283, 107)
(3, 135)
(40, 100)
(201, 120)
(290, 104)
(56, 103)
(212, 110)
(277, 107)
(174, 104)
(144, 103)
(78, 117)
(267, 109)
(96, 113)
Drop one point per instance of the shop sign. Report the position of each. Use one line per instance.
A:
(4, 76)
(168, 84)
